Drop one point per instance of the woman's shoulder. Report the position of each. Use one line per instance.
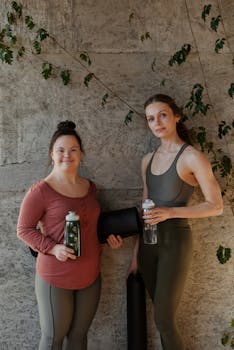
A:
(35, 191)
(89, 184)
(146, 158)
(193, 156)
(37, 186)
(193, 152)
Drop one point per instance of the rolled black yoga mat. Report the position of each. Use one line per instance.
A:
(33, 252)
(124, 222)
(136, 313)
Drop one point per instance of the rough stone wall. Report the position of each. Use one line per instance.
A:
(30, 109)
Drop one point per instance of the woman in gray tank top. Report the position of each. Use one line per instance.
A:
(169, 175)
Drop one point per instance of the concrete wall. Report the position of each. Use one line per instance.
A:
(30, 110)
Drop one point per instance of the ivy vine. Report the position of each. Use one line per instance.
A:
(180, 56)
(9, 46)
(10, 49)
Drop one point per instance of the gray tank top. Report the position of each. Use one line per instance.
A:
(168, 189)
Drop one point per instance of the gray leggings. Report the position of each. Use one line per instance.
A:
(66, 314)
(164, 268)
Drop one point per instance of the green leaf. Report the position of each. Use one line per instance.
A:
(128, 118)
(42, 34)
(46, 70)
(21, 52)
(225, 166)
(231, 90)
(224, 339)
(13, 40)
(29, 22)
(219, 44)
(180, 56)
(8, 31)
(232, 323)
(184, 117)
(145, 36)
(131, 16)
(37, 47)
(11, 18)
(223, 255)
(206, 12)
(6, 55)
(215, 167)
(88, 78)
(223, 129)
(195, 103)
(201, 137)
(85, 57)
(66, 76)
(2, 34)
(214, 23)
(17, 7)
(104, 99)
(209, 146)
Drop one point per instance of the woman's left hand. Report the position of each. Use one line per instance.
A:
(156, 215)
(115, 242)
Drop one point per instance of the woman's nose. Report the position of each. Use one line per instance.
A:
(66, 154)
(156, 121)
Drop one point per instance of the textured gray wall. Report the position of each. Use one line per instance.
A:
(30, 110)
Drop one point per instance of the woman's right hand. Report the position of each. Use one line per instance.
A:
(62, 253)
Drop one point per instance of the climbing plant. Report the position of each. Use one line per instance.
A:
(11, 48)
(196, 105)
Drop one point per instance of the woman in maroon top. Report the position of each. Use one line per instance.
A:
(67, 287)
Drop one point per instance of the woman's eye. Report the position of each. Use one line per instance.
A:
(150, 119)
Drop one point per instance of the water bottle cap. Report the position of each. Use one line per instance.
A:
(72, 216)
(148, 204)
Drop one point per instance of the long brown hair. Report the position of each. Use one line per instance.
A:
(181, 129)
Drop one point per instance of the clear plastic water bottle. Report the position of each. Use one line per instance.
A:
(149, 231)
(72, 232)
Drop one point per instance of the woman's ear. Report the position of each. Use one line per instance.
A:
(51, 157)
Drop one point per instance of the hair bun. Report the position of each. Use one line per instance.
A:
(67, 124)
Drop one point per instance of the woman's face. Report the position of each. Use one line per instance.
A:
(161, 120)
(66, 153)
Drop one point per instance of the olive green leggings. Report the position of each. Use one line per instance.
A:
(164, 268)
(66, 314)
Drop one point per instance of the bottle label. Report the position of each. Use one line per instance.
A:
(72, 236)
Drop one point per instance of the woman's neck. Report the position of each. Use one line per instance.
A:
(63, 177)
(170, 145)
